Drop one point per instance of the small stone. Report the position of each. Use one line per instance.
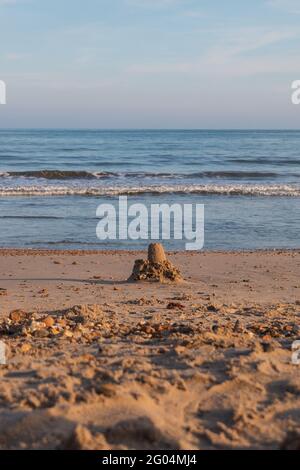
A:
(175, 305)
(212, 308)
(25, 348)
(18, 316)
(49, 321)
(55, 331)
(43, 292)
(42, 333)
(34, 326)
(68, 334)
(267, 338)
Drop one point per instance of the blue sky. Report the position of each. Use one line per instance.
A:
(150, 63)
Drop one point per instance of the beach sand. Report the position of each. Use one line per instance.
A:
(96, 362)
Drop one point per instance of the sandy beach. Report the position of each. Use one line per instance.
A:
(149, 231)
(96, 362)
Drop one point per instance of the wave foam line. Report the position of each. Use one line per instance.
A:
(235, 190)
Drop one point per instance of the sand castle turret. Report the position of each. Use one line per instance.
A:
(156, 253)
(156, 268)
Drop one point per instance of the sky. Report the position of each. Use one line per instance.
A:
(149, 63)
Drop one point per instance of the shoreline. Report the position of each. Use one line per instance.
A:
(82, 252)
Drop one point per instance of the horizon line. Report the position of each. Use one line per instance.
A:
(282, 129)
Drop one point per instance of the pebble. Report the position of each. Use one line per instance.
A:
(49, 321)
(25, 348)
(18, 315)
(42, 333)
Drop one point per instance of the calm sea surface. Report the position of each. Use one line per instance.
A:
(52, 181)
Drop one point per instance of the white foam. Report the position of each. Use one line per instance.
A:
(243, 190)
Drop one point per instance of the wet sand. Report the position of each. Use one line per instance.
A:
(204, 364)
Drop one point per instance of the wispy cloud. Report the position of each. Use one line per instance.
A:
(292, 6)
(242, 41)
(230, 57)
(231, 72)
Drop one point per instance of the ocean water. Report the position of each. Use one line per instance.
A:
(52, 181)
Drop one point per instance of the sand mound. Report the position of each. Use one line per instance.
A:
(156, 268)
(83, 313)
(141, 433)
(82, 439)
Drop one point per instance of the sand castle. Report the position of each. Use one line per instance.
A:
(156, 268)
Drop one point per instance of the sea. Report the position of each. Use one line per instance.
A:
(52, 182)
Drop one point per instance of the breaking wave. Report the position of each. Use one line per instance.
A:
(234, 190)
(55, 174)
(73, 174)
